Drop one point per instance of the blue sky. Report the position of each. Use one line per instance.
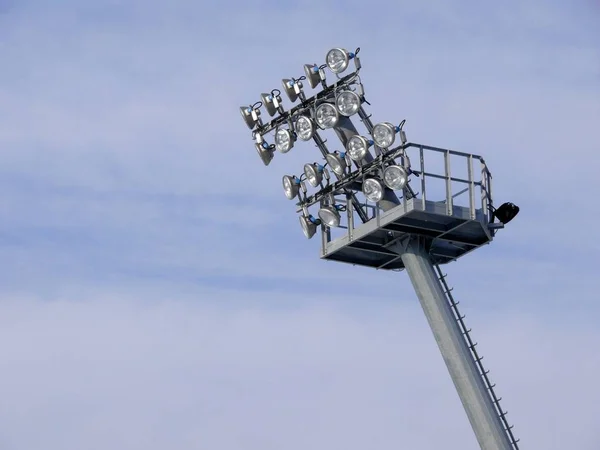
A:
(156, 290)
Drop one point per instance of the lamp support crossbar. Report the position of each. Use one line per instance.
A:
(479, 405)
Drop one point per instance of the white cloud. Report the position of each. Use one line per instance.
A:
(143, 372)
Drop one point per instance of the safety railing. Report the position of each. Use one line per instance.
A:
(441, 175)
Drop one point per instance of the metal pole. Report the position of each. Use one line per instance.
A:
(469, 384)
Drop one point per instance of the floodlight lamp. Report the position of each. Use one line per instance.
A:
(272, 102)
(347, 103)
(326, 115)
(251, 114)
(357, 147)
(291, 186)
(284, 140)
(337, 59)
(314, 74)
(373, 189)
(293, 89)
(314, 173)
(330, 215)
(309, 225)
(265, 151)
(506, 212)
(384, 134)
(337, 162)
(395, 177)
(305, 128)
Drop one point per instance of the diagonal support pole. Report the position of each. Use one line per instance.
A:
(469, 384)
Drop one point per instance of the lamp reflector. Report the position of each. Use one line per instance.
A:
(373, 189)
(357, 147)
(250, 116)
(268, 101)
(384, 134)
(265, 152)
(326, 115)
(312, 74)
(309, 225)
(291, 186)
(313, 173)
(330, 216)
(305, 128)
(347, 103)
(288, 87)
(337, 59)
(337, 162)
(395, 177)
(284, 140)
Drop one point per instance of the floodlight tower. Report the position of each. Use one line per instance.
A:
(370, 215)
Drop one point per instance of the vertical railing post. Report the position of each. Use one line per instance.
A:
(471, 188)
(484, 191)
(490, 194)
(422, 168)
(449, 208)
(325, 235)
(350, 216)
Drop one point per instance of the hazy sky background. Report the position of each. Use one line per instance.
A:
(157, 291)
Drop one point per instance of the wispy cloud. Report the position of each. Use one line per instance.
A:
(148, 372)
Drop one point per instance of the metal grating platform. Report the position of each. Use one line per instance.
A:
(450, 236)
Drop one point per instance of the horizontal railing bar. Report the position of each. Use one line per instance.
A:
(443, 177)
(444, 150)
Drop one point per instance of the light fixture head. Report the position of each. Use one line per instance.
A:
(309, 225)
(305, 128)
(506, 212)
(373, 189)
(337, 59)
(357, 147)
(313, 173)
(347, 103)
(292, 88)
(384, 134)
(250, 115)
(265, 151)
(395, 177)
(337, 162)
(313, 75)
(284, 140)
(326, 115)
(291, 186)
(330, 216)
(271, 102)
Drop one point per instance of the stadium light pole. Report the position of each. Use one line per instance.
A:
(370, 215)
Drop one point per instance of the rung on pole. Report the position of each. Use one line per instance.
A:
(466, 332)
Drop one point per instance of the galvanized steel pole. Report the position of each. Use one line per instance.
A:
(459, 360)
